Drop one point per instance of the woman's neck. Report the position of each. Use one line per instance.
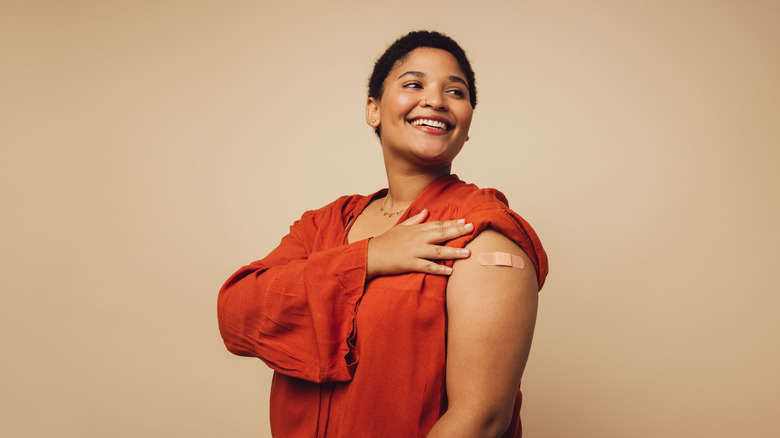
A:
(405, 186)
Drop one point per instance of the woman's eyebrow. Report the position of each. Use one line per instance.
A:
(420, 74)
(454, 78)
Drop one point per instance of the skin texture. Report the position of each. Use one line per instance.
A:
(491, 317)
(419, 87)
(423, 85)
(491, 309)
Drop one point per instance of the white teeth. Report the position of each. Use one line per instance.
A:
(430, 123)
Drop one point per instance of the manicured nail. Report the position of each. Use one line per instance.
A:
(469, 227)
(447, 270)
(461, 221)
(464, 252)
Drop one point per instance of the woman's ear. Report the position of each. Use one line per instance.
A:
(372, 112)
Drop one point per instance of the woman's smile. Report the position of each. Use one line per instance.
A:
(431, 124)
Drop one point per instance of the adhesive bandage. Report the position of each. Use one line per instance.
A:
(500, 259)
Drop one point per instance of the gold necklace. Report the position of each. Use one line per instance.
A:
(385, 213)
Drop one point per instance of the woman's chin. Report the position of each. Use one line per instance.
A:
(436, 154)
(425, 155)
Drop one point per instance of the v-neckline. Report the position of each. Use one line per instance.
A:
(361, 206)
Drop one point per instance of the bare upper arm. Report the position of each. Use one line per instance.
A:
(491, 317)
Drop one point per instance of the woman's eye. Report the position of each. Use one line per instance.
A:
(458, 93)
(412, 85)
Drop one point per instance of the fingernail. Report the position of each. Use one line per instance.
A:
(469, 226)
(464, 252)
(447, 270)
(461, 221)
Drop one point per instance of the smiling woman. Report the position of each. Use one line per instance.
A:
(374, 311)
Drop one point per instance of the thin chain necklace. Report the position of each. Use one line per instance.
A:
(386, 213)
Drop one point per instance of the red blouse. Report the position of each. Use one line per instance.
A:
(354, 359)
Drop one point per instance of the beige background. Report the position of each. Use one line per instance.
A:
(150, 148)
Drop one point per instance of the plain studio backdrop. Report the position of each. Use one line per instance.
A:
(150, 148)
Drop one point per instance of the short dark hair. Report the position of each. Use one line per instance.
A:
(400, 49)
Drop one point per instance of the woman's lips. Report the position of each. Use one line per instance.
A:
(431, 124)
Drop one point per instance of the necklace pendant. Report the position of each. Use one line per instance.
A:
(386, 213)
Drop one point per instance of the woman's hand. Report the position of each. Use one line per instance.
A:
(412, 246)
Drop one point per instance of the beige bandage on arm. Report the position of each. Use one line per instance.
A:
(500, 259)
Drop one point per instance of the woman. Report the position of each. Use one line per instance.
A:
(378, 313)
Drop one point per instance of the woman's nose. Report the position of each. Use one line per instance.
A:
(434, 100)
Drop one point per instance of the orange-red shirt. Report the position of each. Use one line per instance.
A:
(354, 359)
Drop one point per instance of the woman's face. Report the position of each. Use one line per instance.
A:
(424, 112)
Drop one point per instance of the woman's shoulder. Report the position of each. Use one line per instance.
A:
(489, 208)
(485, 206)
(469, 198)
